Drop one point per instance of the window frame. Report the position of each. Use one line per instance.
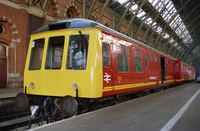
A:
(146, 62)
(124, 51)
(30, 57)
(109, 59)
(138, 56)
(54, 50)
(151, 57)
(68, 45)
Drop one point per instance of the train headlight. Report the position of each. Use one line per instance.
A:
(74, 86)
(31, 84)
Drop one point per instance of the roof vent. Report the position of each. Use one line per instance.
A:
(59, 26)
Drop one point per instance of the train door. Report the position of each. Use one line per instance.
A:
(107, 68)
(174, 75)
(146, 68)
(3, 66)
(163, 69)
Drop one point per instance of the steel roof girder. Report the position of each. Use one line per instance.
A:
(122, 18)
(187, 52)
(194, 55)
(141, 26)
(40, 12)
(102, 11)
(133, 17)
(125, 2)
(91, 9)
(155, 19)
(167, 25)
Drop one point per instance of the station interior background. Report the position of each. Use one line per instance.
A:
(171, 26)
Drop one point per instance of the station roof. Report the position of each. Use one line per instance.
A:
(175, 23)
(172, 25)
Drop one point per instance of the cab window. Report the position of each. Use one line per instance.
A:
(54, 53)
(77, 52)
(36, 54)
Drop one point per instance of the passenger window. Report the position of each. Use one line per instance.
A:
(54, 53)
(122, 58)
(138, 65)
(77, 52)
(137, 53)
(151, 57)
(36, 54)
(156, 59)
(137, 61)
(106, 55)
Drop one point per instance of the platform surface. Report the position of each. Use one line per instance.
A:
(9, 92)
(148, 113)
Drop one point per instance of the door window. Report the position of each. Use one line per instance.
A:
(106, 55)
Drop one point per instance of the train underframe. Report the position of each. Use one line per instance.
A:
(51, 108)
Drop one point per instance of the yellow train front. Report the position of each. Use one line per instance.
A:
(64, 62)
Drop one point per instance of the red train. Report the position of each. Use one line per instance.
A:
(140, 67)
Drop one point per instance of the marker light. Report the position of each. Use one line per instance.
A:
(31, 85)
(74, 86)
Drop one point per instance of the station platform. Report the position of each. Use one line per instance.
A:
(172, 109)
(9, 92)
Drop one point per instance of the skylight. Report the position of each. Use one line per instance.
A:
(169, 14)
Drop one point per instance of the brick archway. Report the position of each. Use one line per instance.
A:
(71, 10)
(13, 28)
(14, 40)
(56, 7)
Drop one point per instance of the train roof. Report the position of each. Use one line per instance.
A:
(85, 23)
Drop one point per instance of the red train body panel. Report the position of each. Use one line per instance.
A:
(183, 72)
(156, 70)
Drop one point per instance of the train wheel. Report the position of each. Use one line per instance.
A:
(21, 101)
(68, 106)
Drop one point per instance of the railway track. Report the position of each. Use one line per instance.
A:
(14, 121)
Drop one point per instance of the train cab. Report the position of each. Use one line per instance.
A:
(60, 63)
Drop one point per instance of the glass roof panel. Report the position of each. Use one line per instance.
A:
(149, 21)
(166, 36)
(177, 23)
(154, 25)
(134, 7)
(143, 17)
(141, 13)
(176, 44)
(168, 13)
(159, 29)
(121, 1)
(171, 40)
